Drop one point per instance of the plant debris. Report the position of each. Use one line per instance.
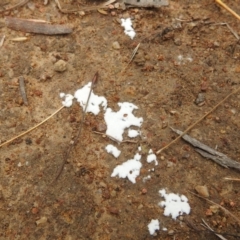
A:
(209, 153)
(34, 26)
(22, 89)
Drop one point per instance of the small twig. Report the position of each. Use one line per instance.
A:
(94, 81)
(183, 20)
(2, 40)
(231, 30)
(228, 9)
(131, 58)
(134, 53)
(65, 158)
(15, 6)
(209, 152)
(22, 90)
(211, 230)
(19, 39)
(198, 121)
(80, 9)
(232, 179)
(224, 209)
(32, 26)
(31, 129)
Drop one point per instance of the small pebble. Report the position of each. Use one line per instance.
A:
(202, 190)
(140, 206)
(116, 45)
(60, 66)
(101, 127)
(144, 191)
(34, 210)
(170, 232)
(113, 210)
(113, 193)
(41, 220)
(200, 98)
(31, 6)
(102, 184)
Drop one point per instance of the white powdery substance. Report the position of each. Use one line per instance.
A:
(68, 99)
(94, 102)
(129, 169)
(128, 29)
(113, 150)
(133, 133)
(174, 204)
(152, 157)
(118, 121)
(153, 226)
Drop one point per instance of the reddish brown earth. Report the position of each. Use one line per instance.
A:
(85, 202)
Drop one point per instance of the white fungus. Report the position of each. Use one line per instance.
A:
(133, 133)
(93, 105)
(184, 60)
(152, 157)
(118, 121)
(128, 29)
(146, 178)
(153, 226)
(129, 169)
(62, 95)
(113, 150)
(174, 204)
(68, 99)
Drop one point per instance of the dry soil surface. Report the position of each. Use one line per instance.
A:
(187, 63)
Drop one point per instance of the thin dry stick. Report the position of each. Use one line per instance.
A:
(2, 40)
(80, 9)
(132, 57)
(15, 6)
(228, 9)
(65, 158)
(211, 230)
(224, 209)
(198, 121)
(31, 129)
(22, 89)
(232, 179)
(231, 30)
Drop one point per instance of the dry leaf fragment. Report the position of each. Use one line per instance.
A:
(102, 11)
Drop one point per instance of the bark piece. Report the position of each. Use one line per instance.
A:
(210, 153)
(32, 26)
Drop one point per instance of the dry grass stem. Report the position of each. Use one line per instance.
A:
(22, 89)
(104, 5)
(211, 230)
(15, 6)
(231, 30)
(66, 156)
(223, 208)
(31, 129)
(228, 9)
(232, 179)
(2, 40)
(198, 121)
(134, 53)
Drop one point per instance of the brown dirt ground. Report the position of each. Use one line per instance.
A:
(85, 202)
